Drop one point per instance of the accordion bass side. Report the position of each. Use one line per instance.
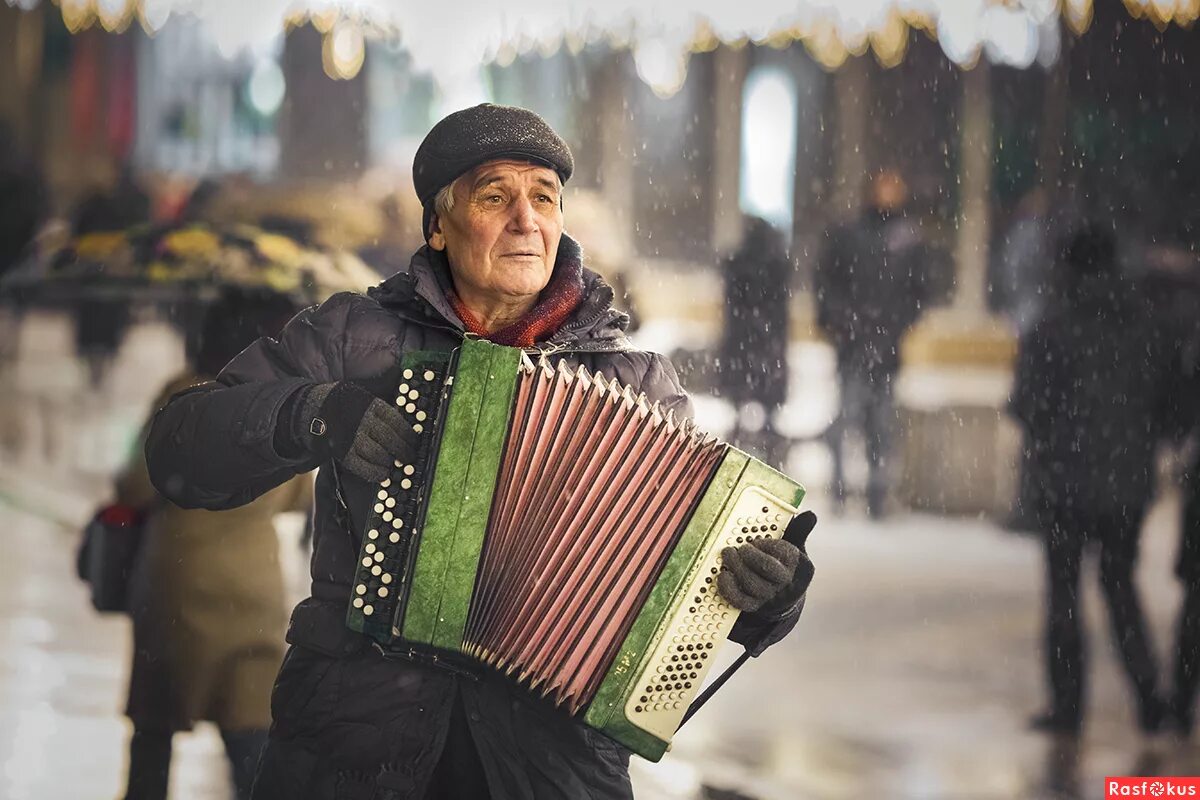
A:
(556, 527)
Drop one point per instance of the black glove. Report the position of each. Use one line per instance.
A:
(345, 422)
(768, 575)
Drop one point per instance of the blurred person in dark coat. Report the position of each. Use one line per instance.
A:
(870, 289)
(206, 596)
(1093, 392)
(752, 354)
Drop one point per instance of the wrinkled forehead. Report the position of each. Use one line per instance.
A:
(510, 170)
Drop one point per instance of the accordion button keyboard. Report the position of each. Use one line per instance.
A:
(379, 508)
(421, 415)
(383, 591)
(370, 548)
(366, 562)
(410, 469)
(382, 494)
(406, 484)
(408, 373)
(410, 408)
(390, 502)
(358, 602)
(386, 579)
(376, 570)
(361, 588)
(368, 610)
(429, 375)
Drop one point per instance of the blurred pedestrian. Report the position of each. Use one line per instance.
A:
(206, 595)
(870, 289)
(752, 354)
(1093, 390)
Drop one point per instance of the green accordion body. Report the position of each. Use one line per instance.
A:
(557, 528)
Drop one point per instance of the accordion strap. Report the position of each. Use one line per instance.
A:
(712, 688)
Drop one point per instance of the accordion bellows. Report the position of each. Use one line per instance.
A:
(559, 528)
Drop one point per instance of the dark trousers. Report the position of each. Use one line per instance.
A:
(1187, 642)
(867, 405)
(459, 772)
(150, 762)
(1117, 537)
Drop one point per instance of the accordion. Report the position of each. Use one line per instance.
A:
(557, 527)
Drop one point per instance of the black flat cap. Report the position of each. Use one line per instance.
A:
(468, 138)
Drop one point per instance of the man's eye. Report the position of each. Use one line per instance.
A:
(545, 198)
(493, 199)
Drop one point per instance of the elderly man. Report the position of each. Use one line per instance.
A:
(351, 720)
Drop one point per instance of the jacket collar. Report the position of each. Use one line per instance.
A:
(419, 295)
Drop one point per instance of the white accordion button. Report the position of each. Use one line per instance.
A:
(410, 408)
(367, 561)
(387, 516)
(361, 588)
(379, 508)
(398, 464)
(368, 610)
(383, 592)
(375, 570)
(410, 469)
(370, 548)
(429, 375)
(408, 373)
(386, 483)
(395, 537)
(414, 394)
(421, 415)
(379, 556)
(382, 494)
(386, 579)
(391, 502)
(418, 428)
(397, 523)
(406, 484)
(372, 534)
(358, 602)
(403, 390)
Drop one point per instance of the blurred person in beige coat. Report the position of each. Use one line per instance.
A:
(207, 593)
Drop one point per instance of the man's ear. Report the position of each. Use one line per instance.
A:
(437, 239)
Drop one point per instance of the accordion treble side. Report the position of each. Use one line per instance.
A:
(556, 527)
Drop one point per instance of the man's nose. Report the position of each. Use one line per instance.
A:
(523, 219)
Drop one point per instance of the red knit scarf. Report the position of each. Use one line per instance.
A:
(561, 296)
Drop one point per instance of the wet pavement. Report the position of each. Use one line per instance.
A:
(910, 676)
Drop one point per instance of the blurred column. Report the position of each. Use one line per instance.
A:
(851, 88)
(616, 156)
(1055, 102)
(729, 72)
(975, 169)
(20, 63)
(323, 127)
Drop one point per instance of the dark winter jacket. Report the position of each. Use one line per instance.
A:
(350, 715)
(870, 285)
(1095, 386)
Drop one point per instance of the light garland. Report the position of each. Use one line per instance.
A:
(662, 34)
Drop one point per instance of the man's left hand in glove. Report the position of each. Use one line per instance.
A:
(768, 575)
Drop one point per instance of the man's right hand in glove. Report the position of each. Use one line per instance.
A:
(345, 422)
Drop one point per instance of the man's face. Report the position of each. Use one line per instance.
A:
(502, 235)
